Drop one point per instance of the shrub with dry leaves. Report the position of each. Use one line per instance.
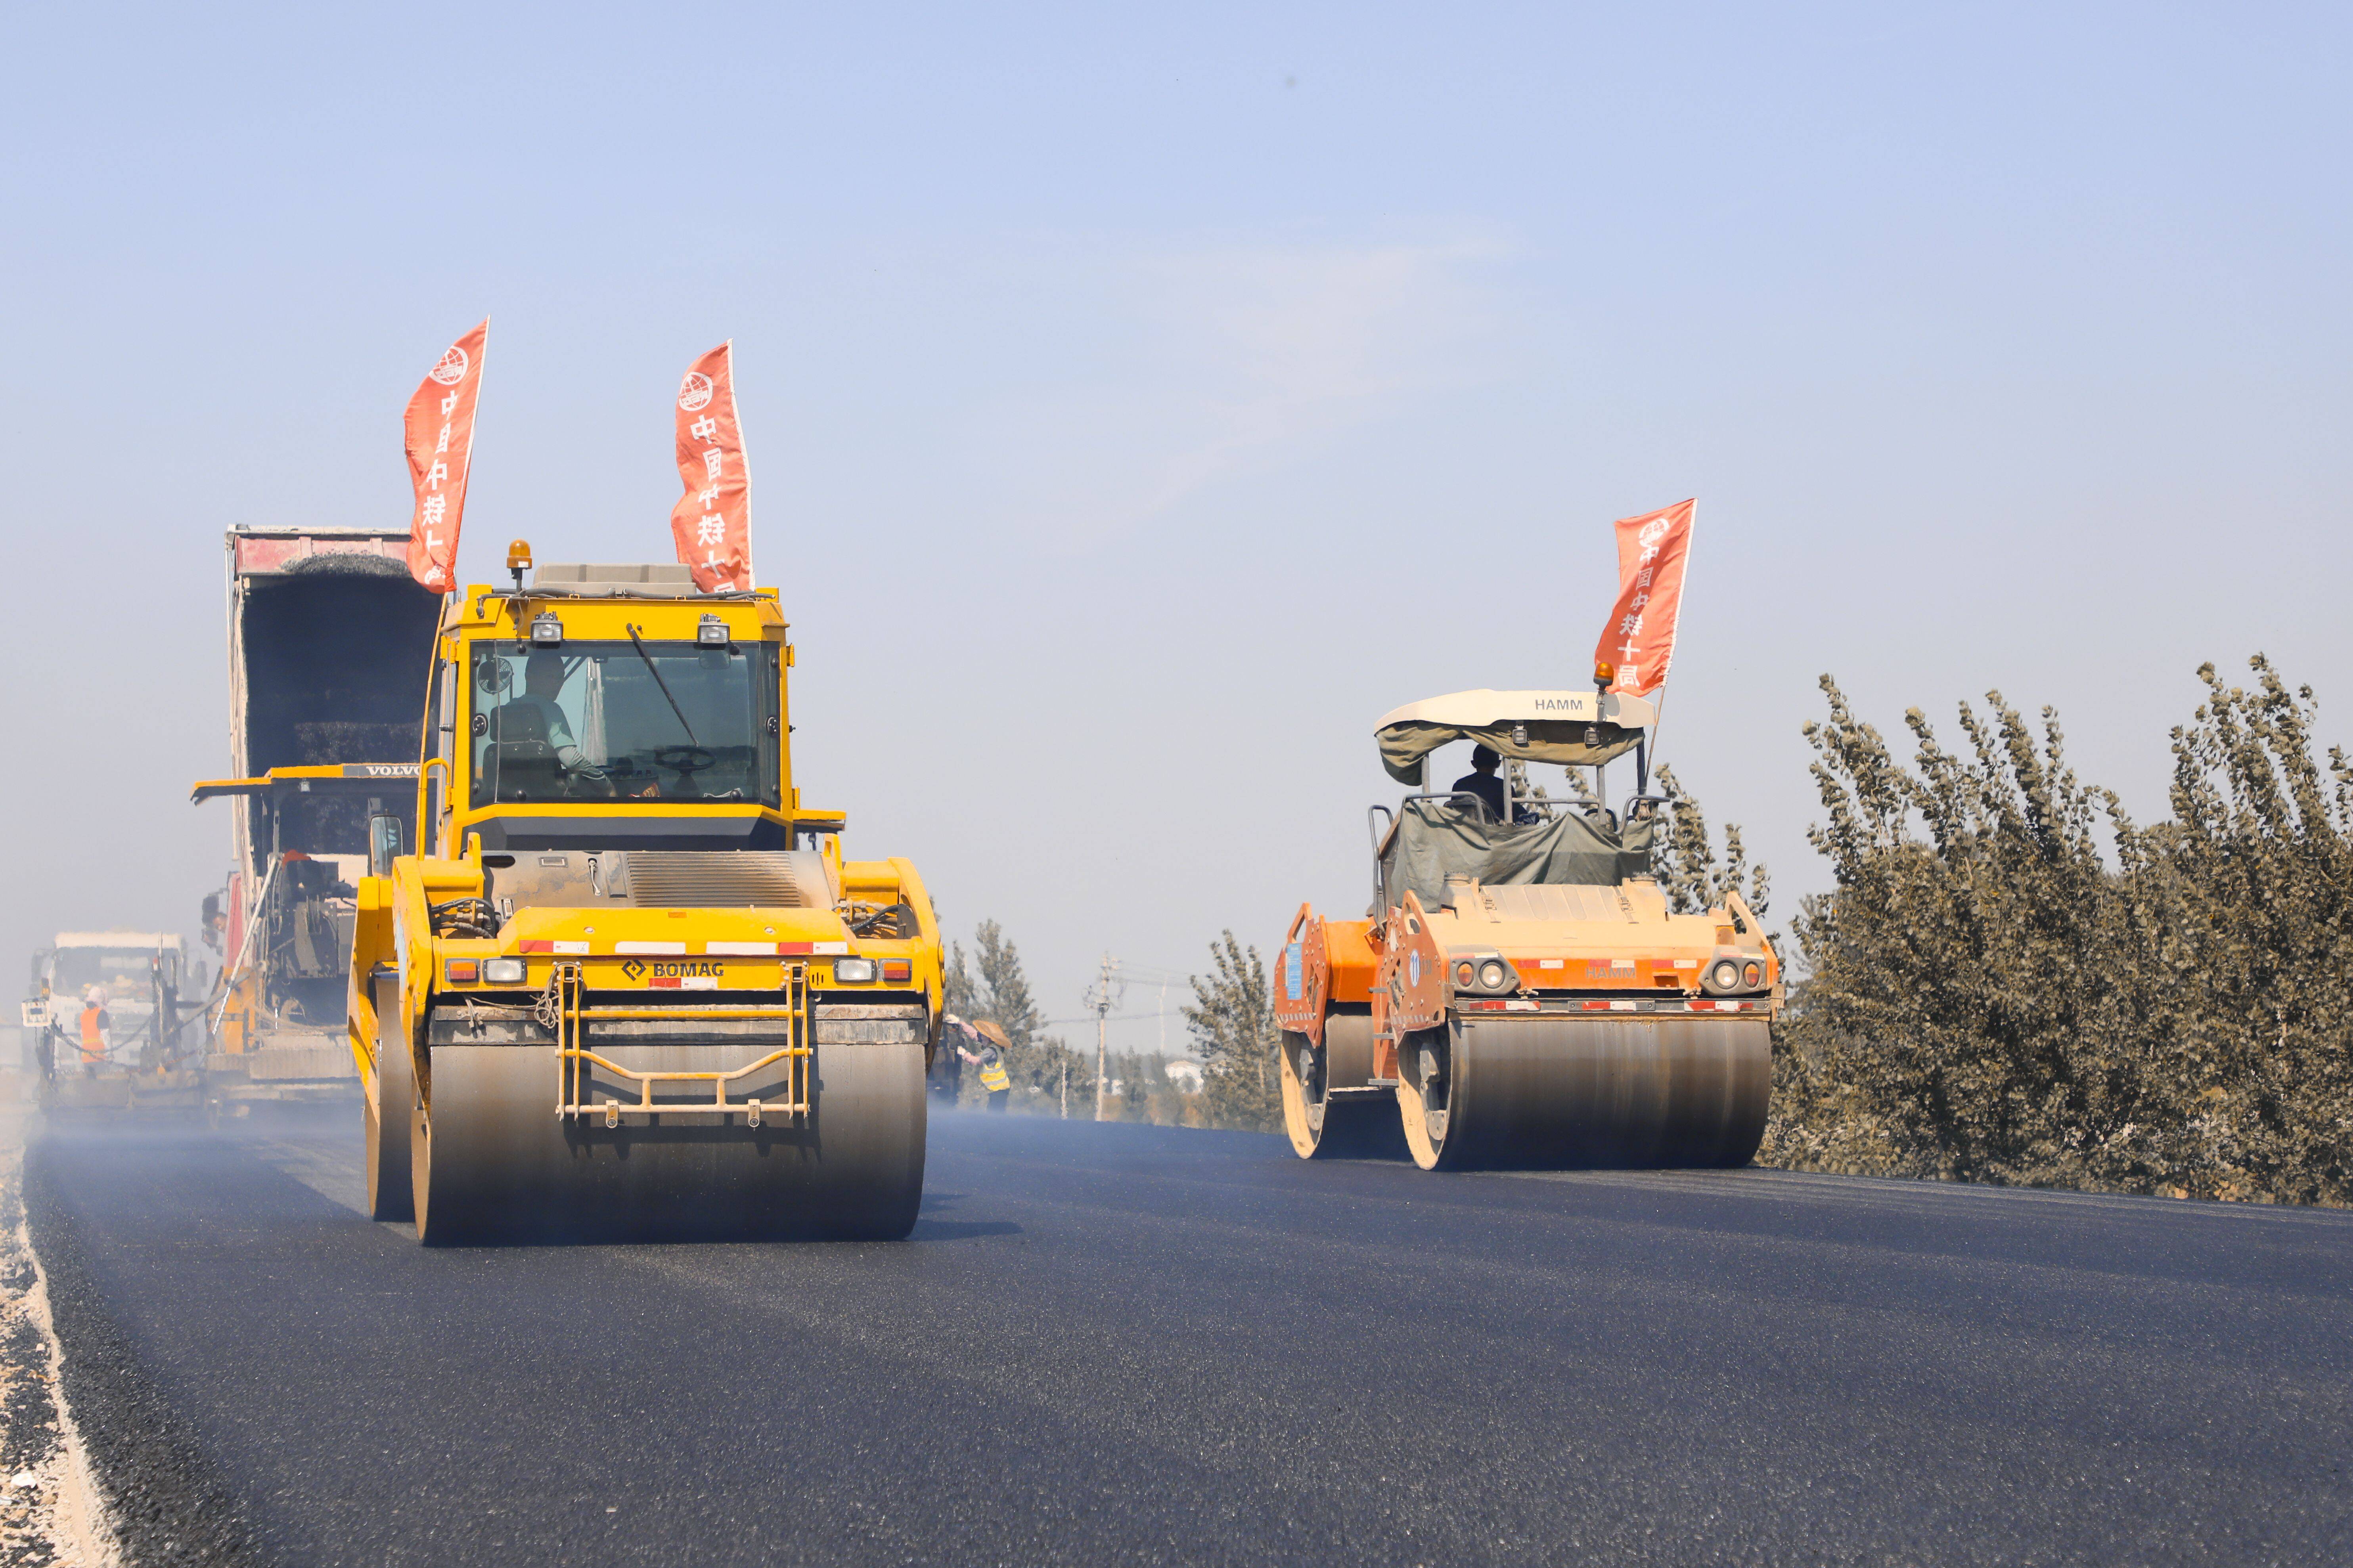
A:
(2012, 982)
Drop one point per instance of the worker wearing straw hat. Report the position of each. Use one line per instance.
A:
(991, 1062)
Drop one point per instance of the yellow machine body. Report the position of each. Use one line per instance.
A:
(638, 993)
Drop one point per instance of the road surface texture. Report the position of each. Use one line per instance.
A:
(1129, 1344)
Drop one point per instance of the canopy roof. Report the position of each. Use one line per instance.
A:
(1556, 725)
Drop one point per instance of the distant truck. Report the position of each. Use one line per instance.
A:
(330, 645)
(147, 1058)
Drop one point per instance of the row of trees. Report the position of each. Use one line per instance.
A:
(1231, 1020)
(2013, 980)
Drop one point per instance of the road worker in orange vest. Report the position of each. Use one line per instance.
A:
(97, 1026)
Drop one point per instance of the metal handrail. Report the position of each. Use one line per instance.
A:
(719, 1082)
(574, 1058)
(424, 836)
(252, 923)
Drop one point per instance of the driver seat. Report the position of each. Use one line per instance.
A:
(519, 758)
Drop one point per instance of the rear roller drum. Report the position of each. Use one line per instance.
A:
(1342, 1125)
(491, 1161)
(1553, 1094)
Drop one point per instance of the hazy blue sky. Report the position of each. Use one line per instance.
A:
(1142, 400)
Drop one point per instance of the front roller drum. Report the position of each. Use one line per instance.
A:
(389, 1110)
(491, 1161)
(1560, 1093)
(1329, 1109)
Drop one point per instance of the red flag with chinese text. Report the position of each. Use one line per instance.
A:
(712, 522)
(1652, 550)
(439, 427)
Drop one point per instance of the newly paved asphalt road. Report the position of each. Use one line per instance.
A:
(1128, 1344)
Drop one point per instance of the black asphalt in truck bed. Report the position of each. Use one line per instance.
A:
(1133, 1344)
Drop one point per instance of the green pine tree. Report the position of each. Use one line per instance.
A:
(1232, 1021)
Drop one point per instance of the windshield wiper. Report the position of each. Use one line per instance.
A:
(659, 681)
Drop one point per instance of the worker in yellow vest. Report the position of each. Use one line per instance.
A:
(991, 1062)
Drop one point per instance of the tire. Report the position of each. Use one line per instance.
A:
(1328, 1110)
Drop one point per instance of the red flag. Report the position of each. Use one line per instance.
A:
(1640, 639)
(711, 524)
(439, 426)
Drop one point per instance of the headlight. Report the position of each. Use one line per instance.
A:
(546, 631)
(1491, 975)
(1724, 976)
(712, 631)
(502, 972)
(853, 971)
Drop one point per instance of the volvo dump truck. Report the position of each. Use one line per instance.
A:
(328, 644)
(1520, 993)
(626, 986)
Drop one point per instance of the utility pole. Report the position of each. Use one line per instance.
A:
(1101, 998)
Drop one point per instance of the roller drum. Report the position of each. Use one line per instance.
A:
(1553, 1094)
(391, 1101)
(493, 1163)
(1325, 1124)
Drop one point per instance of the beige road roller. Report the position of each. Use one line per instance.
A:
(626, 986)
(1520, 994)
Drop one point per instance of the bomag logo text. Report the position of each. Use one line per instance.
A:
(673, 970)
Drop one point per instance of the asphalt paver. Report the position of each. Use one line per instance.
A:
(1129, 1344)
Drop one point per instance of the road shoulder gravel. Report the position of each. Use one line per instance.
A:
(52, 1514)
(132, 1484)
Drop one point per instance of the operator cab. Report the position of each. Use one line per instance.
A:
(644, 718)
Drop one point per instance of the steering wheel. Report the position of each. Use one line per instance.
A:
(686, 760)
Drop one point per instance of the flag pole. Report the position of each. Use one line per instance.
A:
(1658, 723)
(1682, 585)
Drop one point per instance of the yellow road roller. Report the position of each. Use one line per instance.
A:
(610, 979)
(1520, 994)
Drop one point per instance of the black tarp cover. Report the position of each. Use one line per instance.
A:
(1435, 840)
